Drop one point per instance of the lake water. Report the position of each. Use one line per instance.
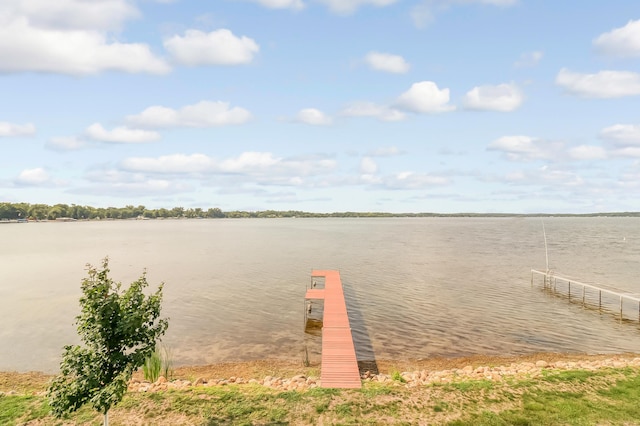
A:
(415, 287)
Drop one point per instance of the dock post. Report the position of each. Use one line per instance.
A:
(583, 296)
(620, 308)
(600, 300)
(569, 291)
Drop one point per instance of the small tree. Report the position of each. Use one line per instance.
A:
(119, 330)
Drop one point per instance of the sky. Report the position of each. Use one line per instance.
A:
(447, 106)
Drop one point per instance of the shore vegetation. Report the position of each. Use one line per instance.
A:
(40, 212)
(566, 390)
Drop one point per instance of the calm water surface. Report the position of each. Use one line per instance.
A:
(234, 289)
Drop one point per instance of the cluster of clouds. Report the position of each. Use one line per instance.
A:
(79, 38)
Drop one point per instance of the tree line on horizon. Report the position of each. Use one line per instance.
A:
(27, 211)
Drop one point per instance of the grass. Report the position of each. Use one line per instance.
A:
(152, 366)
(577, 397)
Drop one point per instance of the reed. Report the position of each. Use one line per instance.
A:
(152, 366)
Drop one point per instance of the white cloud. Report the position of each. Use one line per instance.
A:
(66, 143)
(621, 42)
(627, 151)
(387, 151)
(412, 180)
(218, 47)
(116, 182)
(249, 161)
(503, 97)
(587, 152)
(175, 163)
(526, 148)
(370, 109)
(313, 116)
(424, 13)
(100, 15)
(622, 135)
(281, 4)
(425, 97)
(368, 166)
(387, 62)
(529, 59)
(121, 134)
(605, 84)
(33, 177)
(202, 114)
(345, 7)
(71, 37)
(11, 129)
(256, 167)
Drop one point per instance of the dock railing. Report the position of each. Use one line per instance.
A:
(551, 280)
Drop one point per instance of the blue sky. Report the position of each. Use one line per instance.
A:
(322, 105)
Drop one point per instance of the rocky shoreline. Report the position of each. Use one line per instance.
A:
(302, 382)
(292, 376)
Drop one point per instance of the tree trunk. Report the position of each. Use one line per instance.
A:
(106, 419)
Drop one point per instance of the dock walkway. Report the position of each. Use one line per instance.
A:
(339, 367)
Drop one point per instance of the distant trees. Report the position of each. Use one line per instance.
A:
(14, 211)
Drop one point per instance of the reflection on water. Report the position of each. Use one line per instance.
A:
(235, 288)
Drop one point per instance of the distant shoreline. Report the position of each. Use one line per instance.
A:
(64, 212)
(345, 215)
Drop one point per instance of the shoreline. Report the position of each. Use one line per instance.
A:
(474, 367)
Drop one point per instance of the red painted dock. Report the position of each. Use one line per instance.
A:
(339, 367)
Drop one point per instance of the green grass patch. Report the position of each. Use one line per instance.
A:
(372, 389)
(594, 401)
(469, 385)
(24, 408)
(570, 376)
(608, 396)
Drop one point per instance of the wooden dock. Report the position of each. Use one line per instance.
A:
(339, 367)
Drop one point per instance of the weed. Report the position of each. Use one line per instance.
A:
(395, 375)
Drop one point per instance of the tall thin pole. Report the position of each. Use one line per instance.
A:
(546, 251)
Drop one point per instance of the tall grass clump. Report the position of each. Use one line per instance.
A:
(167, 363)
(152, 366)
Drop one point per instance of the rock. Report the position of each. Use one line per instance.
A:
(468, 369)
(541, 364)
(199, 381)
(161, 379)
